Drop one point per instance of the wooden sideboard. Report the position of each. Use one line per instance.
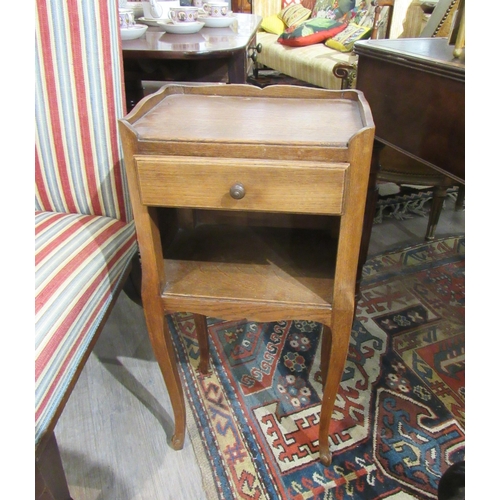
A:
(416, 91)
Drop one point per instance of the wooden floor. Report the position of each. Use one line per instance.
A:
(114, 431)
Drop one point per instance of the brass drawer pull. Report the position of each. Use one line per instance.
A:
(237, 191)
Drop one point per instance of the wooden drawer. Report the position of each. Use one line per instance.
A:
(273, 186)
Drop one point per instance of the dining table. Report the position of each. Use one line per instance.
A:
(212, 54)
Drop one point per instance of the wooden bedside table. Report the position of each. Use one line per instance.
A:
(274, 183)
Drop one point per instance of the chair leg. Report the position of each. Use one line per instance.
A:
(459, 204)
(200, 322)
(438, 196)
(50, 479)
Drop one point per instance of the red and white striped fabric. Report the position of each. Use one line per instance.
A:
(84, 232)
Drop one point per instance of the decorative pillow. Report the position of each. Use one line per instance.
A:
(273, 24)
(294, 15)
(344, 41)
(340, 10)
(312, 31)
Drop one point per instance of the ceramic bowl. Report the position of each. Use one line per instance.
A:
(133, 32)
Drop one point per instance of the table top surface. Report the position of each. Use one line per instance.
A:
(252, 115)
(434, 53)
(159, 44)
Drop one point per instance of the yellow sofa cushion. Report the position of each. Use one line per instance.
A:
(292, 15)
(273, 24)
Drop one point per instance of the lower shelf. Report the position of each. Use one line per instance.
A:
(251, 272)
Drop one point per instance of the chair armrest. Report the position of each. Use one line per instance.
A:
(347, 73)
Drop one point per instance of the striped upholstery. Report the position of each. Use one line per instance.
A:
(79, 97)
(266, 8)
(79, 261)
(84, 232)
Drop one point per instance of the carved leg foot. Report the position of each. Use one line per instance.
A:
(280, 411)
(177, 441)
(325, 455)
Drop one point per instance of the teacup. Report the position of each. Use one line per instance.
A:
(156, 10)
(183, 14)
(199, 3)
(216, 9)
(126, 17)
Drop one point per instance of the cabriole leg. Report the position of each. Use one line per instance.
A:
(163, 349)
(339, 346)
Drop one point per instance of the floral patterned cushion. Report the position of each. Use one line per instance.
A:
(340, 10)
(310, 32)
(344, 41)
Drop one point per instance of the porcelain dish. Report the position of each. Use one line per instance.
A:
(182, 28)
(133, 32)
(217, 22)
(154, 23)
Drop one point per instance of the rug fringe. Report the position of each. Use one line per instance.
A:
(209, 485)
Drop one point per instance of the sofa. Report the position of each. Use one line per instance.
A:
(329, 29)
(85, 237)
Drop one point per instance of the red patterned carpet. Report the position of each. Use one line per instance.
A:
(399, 418)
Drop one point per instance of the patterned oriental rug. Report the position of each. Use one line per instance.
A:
(399, 418)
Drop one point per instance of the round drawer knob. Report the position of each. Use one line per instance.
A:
(237, 191)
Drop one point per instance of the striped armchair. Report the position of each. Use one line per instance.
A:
(84, 232)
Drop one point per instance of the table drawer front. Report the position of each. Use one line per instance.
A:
(273, 186)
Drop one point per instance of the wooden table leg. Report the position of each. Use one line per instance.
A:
(370, 210)
(339, 345)
(236, 67)
(326, 346)
(200, 323)
(438, 196)
(163, 349)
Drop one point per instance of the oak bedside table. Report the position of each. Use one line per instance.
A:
(236, 171)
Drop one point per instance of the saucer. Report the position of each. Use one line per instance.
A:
(182, 28)
(133, 32)
(154, 23)
(218, 22)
